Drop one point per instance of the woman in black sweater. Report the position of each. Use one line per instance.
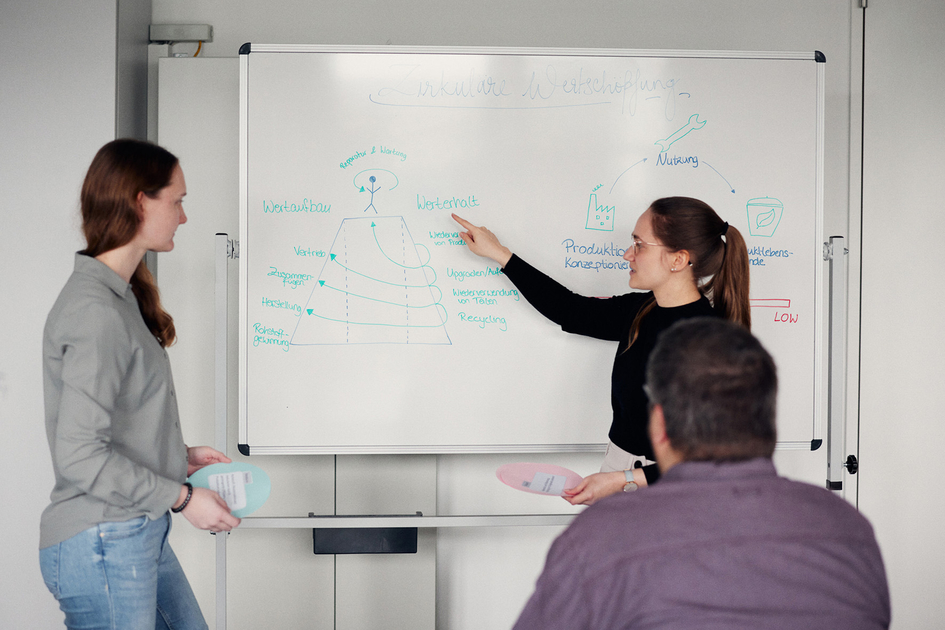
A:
(686, 262)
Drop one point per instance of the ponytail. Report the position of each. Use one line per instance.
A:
(109, 201)
(729, 286)
(159, 321)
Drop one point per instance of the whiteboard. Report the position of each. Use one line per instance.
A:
(366, 325)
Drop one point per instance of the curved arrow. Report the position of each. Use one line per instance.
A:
(381, 249)
(720, 175)
(624, 173)
(365, 297)
(342, 321)
(393, 284)
(367, 170)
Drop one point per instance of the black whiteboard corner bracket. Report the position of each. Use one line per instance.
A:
(243, 448)
(834, 485)
(815, 444)
(819, 57)
(244, 49)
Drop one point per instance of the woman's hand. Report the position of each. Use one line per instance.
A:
(484, 243)
(207, 510)
(200, 456)
(595, 487)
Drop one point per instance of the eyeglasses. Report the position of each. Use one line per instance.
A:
(637, 245)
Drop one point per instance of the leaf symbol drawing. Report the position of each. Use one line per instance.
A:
(765, 218)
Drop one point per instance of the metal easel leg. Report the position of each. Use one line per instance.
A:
(835, 253)
(221, 254)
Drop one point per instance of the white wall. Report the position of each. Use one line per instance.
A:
(57, 107)
(902, 405)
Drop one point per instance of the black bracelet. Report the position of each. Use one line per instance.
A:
(190, 493)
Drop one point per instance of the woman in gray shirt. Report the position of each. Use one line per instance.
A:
(118, 455)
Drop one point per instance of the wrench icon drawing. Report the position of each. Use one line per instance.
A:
(693, 124)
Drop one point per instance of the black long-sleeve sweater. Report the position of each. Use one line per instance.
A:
(610, 319)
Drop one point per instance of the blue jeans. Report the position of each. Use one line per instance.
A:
(121, 576)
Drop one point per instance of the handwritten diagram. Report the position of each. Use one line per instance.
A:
(367, 182)
(376, 287)
(599, 217)
(693, 124)
(372, 190)
(764, 215)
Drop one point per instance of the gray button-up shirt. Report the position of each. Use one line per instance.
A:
(111, 412)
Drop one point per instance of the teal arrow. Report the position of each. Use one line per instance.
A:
(381, 249)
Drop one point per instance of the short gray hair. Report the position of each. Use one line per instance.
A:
(717, 386)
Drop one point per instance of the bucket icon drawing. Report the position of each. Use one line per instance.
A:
(764, 215)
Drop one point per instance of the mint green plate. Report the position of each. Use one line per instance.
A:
(256, 492)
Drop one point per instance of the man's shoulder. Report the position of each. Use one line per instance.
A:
(731, 500)
(823, 509)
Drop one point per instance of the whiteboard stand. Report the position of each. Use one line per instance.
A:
(225, 249)
(835, 253)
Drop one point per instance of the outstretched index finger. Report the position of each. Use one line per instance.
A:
(463, 222)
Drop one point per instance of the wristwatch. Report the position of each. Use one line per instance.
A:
(631, 485)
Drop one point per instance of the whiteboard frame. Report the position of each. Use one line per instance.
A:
(821, 349)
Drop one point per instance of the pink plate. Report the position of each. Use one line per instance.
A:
(546, 479)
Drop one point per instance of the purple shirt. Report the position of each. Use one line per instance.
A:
(714, 545)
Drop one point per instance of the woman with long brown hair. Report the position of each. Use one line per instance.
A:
(686, 262)
(119, 458)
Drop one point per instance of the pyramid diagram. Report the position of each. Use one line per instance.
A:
(376, 287)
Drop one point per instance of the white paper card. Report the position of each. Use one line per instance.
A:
(549, 484)
(232, 487)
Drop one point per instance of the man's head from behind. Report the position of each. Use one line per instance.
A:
(713, 391)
